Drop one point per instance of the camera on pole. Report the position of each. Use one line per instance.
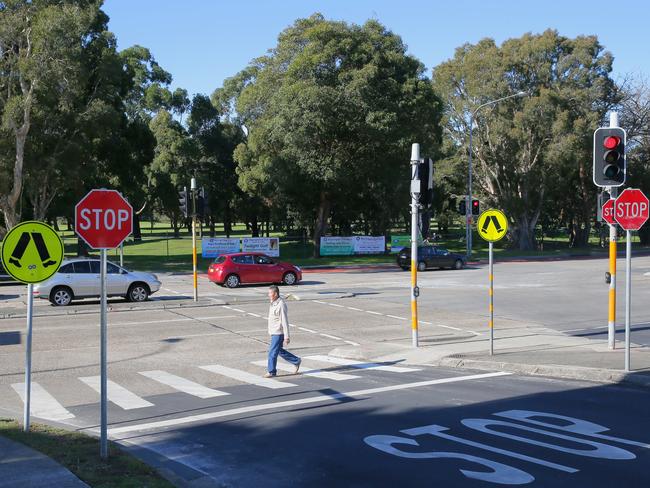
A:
(609, 157)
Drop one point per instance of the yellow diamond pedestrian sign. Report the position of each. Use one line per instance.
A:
(32, 252)
(492, 225)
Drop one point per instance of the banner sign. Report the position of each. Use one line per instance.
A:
(336, 246)
(211, 247)
(267, 245)
(369, 245)
(397, 243)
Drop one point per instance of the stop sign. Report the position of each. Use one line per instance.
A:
(103, 218)
(608, 211)
(631, 209)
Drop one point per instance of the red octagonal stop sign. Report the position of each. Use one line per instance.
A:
(103, 218)
(631, 209)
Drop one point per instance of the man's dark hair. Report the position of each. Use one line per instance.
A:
(275, 289)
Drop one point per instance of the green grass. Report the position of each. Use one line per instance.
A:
(80, 454)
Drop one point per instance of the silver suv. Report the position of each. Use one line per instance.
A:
(79, 278)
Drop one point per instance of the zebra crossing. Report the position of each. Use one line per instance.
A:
(45, 405)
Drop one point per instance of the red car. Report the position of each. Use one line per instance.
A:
(251, 267)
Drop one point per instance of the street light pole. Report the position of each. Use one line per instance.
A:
(468, 203)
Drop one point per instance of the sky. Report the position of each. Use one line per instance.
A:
(203, 42)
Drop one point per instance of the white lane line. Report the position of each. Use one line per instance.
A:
(308, 330)
(318, 301)
(144, 322)
(117, 394)
(335, 305)
(355, 309)
(352, 343)
(331, 337)
(292, 403)
(396, 317)
(255, 315)
(361, 365)
(215, 317)
(240, 375)
(207, 334)
(372, 312)
(317, 373)
(182, 384)
(443, 326)
(238, 310)
(42, 404)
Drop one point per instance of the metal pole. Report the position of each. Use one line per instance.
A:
(103, 446)
(415, 160)
(122, 255)
(611, 316)
(194, 273)
(628, 295)
(491, 293)
(468, 202)
(28, 358)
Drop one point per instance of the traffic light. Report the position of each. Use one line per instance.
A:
(609, 156)
(476, 207)
(202, 207)
(425, 173)
(462, 207)
(183, 202)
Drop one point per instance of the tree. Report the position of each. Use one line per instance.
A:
(331, 112)
(531, 151)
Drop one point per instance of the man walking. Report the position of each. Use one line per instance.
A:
(279, 332)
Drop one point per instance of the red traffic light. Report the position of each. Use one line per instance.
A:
(611, 142)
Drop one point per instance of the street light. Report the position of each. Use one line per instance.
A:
(468, 206)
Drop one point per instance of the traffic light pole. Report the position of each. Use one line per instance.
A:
(194, 272)
(415, 189)
(611, 316)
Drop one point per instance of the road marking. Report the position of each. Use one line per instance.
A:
(361, 365)
(255, 315)
(331, 337)
(318, 301)
(207, 334)
(374, 313)
(335, 305)
(308, 330)
(238, 310)
(355, 309)
(117, 394)
(246, 377)
(292, 403)
(214, 317)
(182, 384)
(352, 343)
(317, 373)
(42, 404)
(440, 325)
(396, 317)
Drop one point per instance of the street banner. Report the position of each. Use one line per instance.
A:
(369, 244)
(267, 245)
(211, 247)
(336, 246)
(397, 243)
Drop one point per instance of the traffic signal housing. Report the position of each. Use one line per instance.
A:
(462, 206)
(476, 207)
(425, 173)
(183, 202)
(609, 156)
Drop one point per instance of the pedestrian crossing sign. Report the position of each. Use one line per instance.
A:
(492, 225)
(32, 252)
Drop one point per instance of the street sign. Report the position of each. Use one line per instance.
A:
(608, 211)
(492, 225)
(32, 252)
(631, 209)
(103, 218)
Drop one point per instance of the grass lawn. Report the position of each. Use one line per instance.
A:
(80, 454)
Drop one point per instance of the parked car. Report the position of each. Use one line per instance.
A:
(251, 267)
(4, 276)
(79, 278)
(431, 257)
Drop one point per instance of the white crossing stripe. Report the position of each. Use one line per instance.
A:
(240, 375)
(361, 365)
(182, 384)
(117, 394)
(317, 373)
(42, 404)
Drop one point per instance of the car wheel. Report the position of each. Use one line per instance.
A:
(422, 266)
(61, 296)
(458, 264)
(138, 292)
(232, 281)
(404, 268)
(289, 278)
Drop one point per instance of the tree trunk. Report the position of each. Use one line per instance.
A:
(320, 226)
(137, 232)
(524, 235)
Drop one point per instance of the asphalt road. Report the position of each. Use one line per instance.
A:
(186, 381)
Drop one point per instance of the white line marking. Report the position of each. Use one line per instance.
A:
(318, 373)
(238, 310)
(396, 317)
(255, 315)
(42, 404)
(352, 343)
(335, 305)
(194, 335)
(355, 309)
(440, 325)
(331, 337)
(361, 365)
(214, 317)
(318, 301)
(117, 394)
(240, 375)
(182, 384)
(308, 330)
(374, 313)
(292, 403)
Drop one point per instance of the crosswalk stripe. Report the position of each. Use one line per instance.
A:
(42, 404)
(182, 384)
(317, 373)
(240, 375)
(117, 394)
(361, 365)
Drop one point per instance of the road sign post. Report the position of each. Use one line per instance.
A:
(608, 216)
(492, 226)
(103, 218)
(631, 211)
(31, 252)
(415, 190)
